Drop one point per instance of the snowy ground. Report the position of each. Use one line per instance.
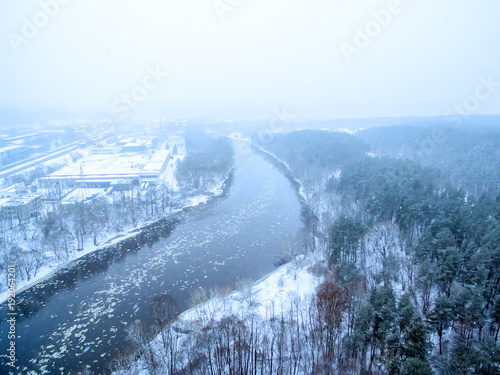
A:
(168, 175)
(83, 194)
(269, 296)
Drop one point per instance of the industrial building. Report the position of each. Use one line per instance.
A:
(111, 170)
(19, 208)
(154, 168)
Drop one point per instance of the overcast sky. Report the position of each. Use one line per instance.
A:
(245, 58)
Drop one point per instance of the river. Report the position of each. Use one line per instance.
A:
(235, 237)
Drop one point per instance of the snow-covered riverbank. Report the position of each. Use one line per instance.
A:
(51, 268)
(289, 287)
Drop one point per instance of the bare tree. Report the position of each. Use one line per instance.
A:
(141, 335)
(245, 287)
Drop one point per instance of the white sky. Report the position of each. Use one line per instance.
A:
(265, 54)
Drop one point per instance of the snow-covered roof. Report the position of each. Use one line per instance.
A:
(112, 166)
(156, 161)
(13, 202)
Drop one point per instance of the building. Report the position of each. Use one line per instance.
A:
(98, 171)
(106, 170)
(134, 147)
(12, 191)
(154, 168)
(20, 208)
(11, 154)
(134, 144)
(121, 185)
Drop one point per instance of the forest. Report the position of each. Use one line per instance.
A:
(207, 163)
(432, 303)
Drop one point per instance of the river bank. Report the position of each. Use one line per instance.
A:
(286, 291)
(131, 237)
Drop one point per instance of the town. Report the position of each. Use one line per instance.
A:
(84, 169)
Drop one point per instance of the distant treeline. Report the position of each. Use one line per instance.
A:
(208, 162)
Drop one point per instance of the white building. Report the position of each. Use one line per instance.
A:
(108, 170)
(154, 168)
(20, 208)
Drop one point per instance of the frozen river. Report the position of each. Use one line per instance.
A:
(234, 238)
